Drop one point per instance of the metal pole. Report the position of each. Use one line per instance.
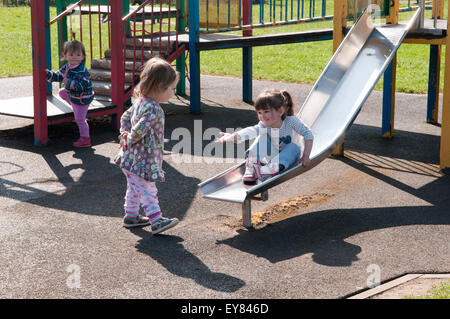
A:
(247, 213)
(435, 13)
(422, 13)
(38, 44)
(117, 57)
(194, 56)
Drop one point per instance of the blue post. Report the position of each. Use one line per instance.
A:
(247, 55)
(194, 56)
(387, 125)
(433, 84)
(247, 70)
(48, 50)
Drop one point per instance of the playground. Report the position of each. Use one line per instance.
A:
(370, 210)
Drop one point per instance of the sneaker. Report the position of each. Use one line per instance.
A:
(138, 221)
(163, 224)
(249, 176)
(82, 142)
(266, 171)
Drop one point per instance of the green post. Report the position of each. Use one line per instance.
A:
(181, 60)
(61, 5)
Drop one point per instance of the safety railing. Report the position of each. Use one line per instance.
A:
(233, 15)
(149, 36)
(405, 6)
(94, 17)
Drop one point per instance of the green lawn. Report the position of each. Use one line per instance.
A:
(441, 291)
(299, 63)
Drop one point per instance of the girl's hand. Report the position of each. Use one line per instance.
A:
(64, 82)
(123, 142)
(305, 161)
(225, 137)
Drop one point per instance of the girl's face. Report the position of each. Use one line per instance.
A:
(164, 95)
(74, 57)
(271, 117)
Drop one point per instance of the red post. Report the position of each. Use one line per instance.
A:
(39, 65)
(117, 67)
(246, 18)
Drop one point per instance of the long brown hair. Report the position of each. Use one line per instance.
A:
(275, 99)
(157, 74)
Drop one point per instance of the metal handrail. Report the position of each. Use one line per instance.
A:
(66, 12)
(125, 18)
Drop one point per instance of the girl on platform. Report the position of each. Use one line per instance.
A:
(77, 87)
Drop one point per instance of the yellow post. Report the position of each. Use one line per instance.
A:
(445, 126)
(393, 13)
(339, 21)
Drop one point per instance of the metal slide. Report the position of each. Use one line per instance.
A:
(330, 108)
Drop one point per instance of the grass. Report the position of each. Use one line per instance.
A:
(298, 63)
(436, 292)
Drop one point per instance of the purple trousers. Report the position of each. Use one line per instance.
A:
(79, 112)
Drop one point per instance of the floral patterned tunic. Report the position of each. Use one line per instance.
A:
(144, 122)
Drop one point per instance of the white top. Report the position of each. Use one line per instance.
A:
(291, 126)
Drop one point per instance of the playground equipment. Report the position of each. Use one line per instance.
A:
(366, 52)
(118, 40)
(208, 32)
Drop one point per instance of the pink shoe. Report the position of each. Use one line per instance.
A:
(266, 171)
(82, 142)
(249, 176)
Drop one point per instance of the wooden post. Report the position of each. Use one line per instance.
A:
(445, 126)
(339, 22)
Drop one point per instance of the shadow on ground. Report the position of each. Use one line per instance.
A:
(170, 253)
(323, 233)
(100, 187)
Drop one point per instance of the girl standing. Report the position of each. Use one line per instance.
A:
(275, 148)
(77, 87)
(142, 143)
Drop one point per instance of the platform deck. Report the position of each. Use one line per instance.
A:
(56, 107)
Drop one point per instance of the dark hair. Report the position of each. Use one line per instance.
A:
(75, 45)
(156, 74)
(275, 99)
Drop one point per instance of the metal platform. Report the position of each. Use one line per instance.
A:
(216, 41)
(57, 109)
(330, 108)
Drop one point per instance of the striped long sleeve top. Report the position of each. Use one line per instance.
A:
(290, 126)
